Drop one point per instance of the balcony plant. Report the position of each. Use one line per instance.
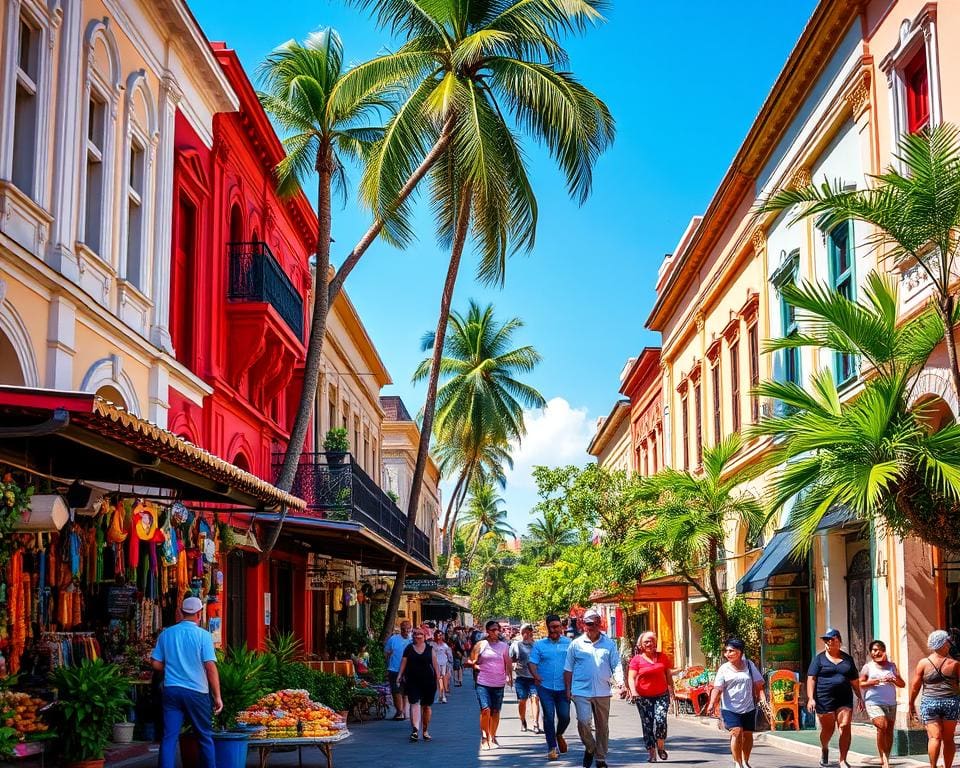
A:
(92, 696)
(341, 505)
(336, 446)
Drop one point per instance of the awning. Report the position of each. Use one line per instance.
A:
(645, 593)
(79, 436)
(776, 567)
(839, 516)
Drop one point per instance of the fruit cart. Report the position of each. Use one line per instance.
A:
(323, 743)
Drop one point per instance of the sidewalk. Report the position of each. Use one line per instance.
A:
(456, 741)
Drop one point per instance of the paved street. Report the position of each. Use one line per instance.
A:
(456, 741)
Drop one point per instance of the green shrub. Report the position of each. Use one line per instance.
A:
(344, 641)
(332, 690)
(241, 683)
(295, 675)
(377, 666)
(746, 622)
(92, 696)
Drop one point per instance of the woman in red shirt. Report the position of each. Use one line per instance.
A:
(651, 682)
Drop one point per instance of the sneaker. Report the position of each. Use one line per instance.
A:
(587, 759)
(552, 755)
(523, 726)
(824, 758)
(561, 744)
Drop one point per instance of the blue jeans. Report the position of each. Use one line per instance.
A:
(555, 704)
(196, 707)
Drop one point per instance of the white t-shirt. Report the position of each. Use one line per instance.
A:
(736, 686)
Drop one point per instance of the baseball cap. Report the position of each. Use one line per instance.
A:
(591, 616)
(830, 634)
(192, 605)
(525, 627)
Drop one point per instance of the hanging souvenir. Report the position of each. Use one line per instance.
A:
(179, 514)
(145, 520)
(118, 531)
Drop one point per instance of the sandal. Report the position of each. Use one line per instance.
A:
(414, 736)
(662, 753)
(652, 755)
(427, 736)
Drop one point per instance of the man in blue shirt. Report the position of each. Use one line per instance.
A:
(592, 661)
(546, 665)
(393, 649)
(185, 655)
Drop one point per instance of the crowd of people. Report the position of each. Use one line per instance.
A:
(557, 673)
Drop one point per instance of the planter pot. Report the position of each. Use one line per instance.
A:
(231, 749)
(335, 458)
(123, 733)
(87, 763)
(189, 749)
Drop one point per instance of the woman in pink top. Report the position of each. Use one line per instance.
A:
(491, 661)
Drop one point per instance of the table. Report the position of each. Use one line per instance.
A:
(323, 743)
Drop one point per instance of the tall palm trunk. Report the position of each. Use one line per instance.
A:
(456, 512)
(318, 328)
(430, 406)
(453, 498)
(946, 306)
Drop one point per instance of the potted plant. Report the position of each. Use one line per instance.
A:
(336, 446)
(240, 686)
(92, 696)
(341, 505)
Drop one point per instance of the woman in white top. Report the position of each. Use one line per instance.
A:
(879, 680)
(445, 660)
(737, 688)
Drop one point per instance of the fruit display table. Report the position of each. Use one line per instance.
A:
(323, 743)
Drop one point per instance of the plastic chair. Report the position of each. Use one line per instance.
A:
(785, 697)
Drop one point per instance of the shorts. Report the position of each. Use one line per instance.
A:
(745, 720)
(524, 687)
(827, 705)
(442, 670)
(940, 708)
(395, 686)
(490, 697)
(888, 711)
(424, 695)
(457, 665)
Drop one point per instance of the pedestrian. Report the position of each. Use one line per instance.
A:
(523, 681)
(191, 684)
(420, 678)
(547, 659)
(445, 662)
(737, 691)
(393, 650)
(490, 660)
(832, 681)
(938, 675)
(650, 680)
(879, 680)
(592, 661)
(456, 645)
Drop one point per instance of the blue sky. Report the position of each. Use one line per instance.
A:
(684, 87)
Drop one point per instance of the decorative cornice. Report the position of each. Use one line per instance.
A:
(801, 179)
(859, 96)
(759, 240)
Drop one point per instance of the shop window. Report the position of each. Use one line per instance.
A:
(753, 339)
(842, 279)
(26, 108)
(735, 385)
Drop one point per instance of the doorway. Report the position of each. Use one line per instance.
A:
(860, 605)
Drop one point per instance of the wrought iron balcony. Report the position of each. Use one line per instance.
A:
(255, 275)
(344, 492)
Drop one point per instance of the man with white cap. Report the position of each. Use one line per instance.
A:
(593, 660)
(185, 655)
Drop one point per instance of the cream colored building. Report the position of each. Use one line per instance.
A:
(612, 444)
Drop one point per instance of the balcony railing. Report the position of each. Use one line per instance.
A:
(345, 492)
(255, 275)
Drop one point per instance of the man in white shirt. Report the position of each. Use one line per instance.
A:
(592, 661)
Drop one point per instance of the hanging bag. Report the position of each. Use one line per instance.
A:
(760, 703)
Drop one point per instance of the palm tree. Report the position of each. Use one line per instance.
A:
(915, 210)
(548, 537)
(683, 520)
(485, 520)
(481, 61)
(480, 406)
(878, 456)
(303, 92)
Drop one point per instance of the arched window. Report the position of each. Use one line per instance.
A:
(10, 371)
(112, 395)
(101, 87)
(236, 224)
(140, 131)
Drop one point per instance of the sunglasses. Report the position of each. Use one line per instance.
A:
(590, 623)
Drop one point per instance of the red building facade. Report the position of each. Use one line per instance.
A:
(240, 295)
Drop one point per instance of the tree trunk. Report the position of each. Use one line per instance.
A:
(719, 603)
(426, 428)
(456, 513)
(318, 328)
(946, 306)
(453, 499)
(371, 234)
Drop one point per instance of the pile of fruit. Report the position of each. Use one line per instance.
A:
(21, 712)
(290, 714)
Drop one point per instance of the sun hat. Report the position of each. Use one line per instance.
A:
(191, 606)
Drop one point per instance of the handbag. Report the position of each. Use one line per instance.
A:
(763, 716)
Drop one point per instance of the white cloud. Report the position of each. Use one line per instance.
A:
(556, 436)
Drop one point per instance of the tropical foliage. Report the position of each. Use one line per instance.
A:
(914, 208)
(485, 73)
(683, 519)
(484, 519)
(880, 455)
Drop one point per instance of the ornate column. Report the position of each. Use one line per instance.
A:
(170, 95)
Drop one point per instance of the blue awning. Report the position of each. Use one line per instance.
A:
(778, 561)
